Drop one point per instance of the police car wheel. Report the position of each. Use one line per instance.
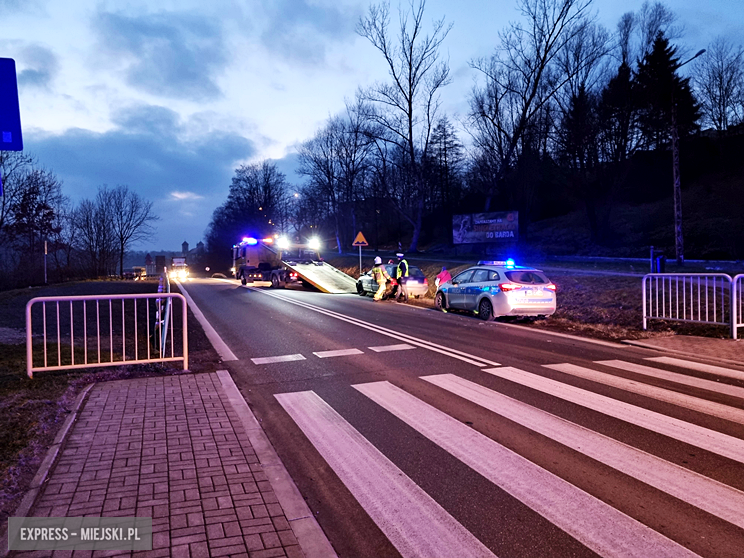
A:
(485, 310)
(440, 303)
(360, 289)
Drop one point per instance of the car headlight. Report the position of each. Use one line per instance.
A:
(314, 243)
(283, 243)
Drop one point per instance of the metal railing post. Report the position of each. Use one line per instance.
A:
(643, 290)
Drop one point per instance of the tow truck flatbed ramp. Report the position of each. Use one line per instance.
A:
(324, 277)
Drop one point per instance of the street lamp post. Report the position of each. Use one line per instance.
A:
(678, 238)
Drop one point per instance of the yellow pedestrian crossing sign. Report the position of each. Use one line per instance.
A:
(360, 240)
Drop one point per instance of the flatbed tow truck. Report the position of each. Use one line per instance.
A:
(282, 263)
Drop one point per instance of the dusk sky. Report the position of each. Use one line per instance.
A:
(169, 97)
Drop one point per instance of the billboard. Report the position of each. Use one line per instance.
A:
(498, 227)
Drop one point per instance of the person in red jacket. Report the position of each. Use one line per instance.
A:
(443, 277)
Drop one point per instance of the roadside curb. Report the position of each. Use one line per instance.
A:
(310, 536)
(681, 353)
(46, 465)
(613, 344)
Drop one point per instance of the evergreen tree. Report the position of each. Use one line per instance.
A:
(660, 92)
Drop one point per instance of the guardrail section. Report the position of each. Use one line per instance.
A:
(75, 332)
(691, 297)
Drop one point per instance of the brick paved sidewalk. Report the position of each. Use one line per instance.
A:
(171, 448)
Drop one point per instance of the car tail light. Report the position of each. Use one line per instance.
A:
(506, 287)
(426, 281)
(550, 287)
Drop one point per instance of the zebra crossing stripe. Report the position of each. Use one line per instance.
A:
(605, 530)
(411, 519)
(691, 381)
(704, 438)
(702, 492)
(661, 394)
(709, 368)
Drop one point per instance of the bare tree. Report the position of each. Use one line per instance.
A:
(536, 59)
(653, 19)
(405, 108)
(96, 241)
(719, 81)
(132, 220)
(14, 165)
(319, 162)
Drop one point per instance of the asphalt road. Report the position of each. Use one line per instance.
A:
(416, 433)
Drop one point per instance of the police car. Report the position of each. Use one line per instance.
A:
(498, 288)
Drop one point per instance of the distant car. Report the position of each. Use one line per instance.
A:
(498, 288)
(418, 284)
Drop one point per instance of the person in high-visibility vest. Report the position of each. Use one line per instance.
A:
(381, 276)
(401, 274)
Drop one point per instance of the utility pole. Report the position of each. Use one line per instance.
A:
(678, 238)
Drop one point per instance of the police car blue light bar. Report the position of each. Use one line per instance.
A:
(505, 263)
(250, 240)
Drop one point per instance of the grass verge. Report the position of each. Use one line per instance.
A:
(33, 410)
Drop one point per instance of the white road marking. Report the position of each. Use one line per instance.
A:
(219, 345)
(337, 353)
(386, 348)
(599, 526)
(661, 394)
(704, 438)
(707, 494)
(709, 368)
(283, 358)
(411, 519)
(675, 377)
(454, 353)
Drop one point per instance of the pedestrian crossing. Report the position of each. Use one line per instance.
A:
(418, 525)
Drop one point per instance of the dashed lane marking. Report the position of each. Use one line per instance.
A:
(337, 353)
(386, 348)
(283, 358)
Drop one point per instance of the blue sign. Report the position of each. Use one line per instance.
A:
(10, 112)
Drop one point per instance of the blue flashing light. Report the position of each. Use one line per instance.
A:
(504, 263)
(250, 241)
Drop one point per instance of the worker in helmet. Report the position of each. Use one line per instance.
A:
(381, 276)
(401, 275)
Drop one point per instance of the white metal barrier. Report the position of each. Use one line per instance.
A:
(708, 298)
(737, 308)
(106, 330)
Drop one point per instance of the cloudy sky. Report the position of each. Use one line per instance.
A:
(169, 97)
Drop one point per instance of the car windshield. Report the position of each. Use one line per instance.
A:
(526, 277)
